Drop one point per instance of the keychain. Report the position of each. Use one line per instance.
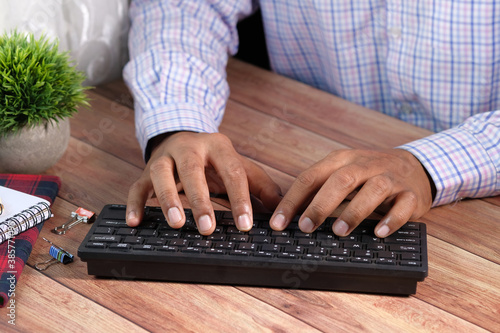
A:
(78, 216)
(58, 255)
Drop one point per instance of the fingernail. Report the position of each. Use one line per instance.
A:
(204, 223)
(174, 215)
(383, 231)
(340, 228)
(244, 222)
(132, 215)
(278, 221)
(307, 225)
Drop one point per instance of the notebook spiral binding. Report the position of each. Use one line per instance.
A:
(24, 220)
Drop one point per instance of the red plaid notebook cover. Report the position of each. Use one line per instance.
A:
(43, 186)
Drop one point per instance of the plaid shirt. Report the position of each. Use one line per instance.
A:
(432, 64)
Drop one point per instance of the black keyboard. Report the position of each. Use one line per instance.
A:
(321, 260)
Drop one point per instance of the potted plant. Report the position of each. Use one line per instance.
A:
(40, 88)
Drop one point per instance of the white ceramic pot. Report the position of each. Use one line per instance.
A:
(34, 150)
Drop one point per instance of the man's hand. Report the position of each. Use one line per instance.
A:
(200, 163)
(393, 179)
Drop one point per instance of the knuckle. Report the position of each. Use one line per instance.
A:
(353, 214)
(346, 178)
(166, 196)
(190, 164)
(197, 200)
(306, 179)
(136, 186)
(381, 186)
(160, 166)
(318, 210)
(235, 171)
(288, 205)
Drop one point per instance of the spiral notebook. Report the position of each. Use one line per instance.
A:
(20, 212)
(15, 251)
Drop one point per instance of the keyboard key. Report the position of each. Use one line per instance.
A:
(387, 254)
(104, 230)
(270, 248)
(167, 248)
(190, 249)
(120, 246)
(294, 249)
(202, 243)
(178, 242)
(262, 239)
(156, 241)
(96, 245)
(401, 240)
(148, 233)
(410, 263)
(361, 260)
(353, 245)
(105, 238)
(284, 240)
(287, 255)
(126, 231)
(215, 251)
(113, 223)
(307, 242)
(133, 239)
(410, 256)
(386, 261)
(258, 232)
(143, 247)
(336, 258)
(363, 253)
(405, 248)
(340, 252)
(224, 245)
(240, 252)
(239, 238)
(247, 246)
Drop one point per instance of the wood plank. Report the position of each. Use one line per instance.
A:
(44, 305)
(345, 312)
(109, 126)
(93, 178)
(469, 224)
(463, 284)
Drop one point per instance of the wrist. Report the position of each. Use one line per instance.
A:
(155, 142)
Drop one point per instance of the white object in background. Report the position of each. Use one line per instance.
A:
(94, 31)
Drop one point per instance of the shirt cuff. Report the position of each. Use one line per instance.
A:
(172, 118)
(457, 163)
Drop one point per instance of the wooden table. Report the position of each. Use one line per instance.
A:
(284, 126)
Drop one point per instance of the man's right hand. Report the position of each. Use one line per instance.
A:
(200, 163)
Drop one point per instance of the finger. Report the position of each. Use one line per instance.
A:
(162, 173)
(334, 190)
(262, 186)
(301, 190)
(373, 193)
(138, 194)
(402, 210)
(191, 172)
(233, 175)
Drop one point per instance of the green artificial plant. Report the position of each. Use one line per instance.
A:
(38, 84)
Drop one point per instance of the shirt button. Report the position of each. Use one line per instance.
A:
(395, 32)
(406, 108)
